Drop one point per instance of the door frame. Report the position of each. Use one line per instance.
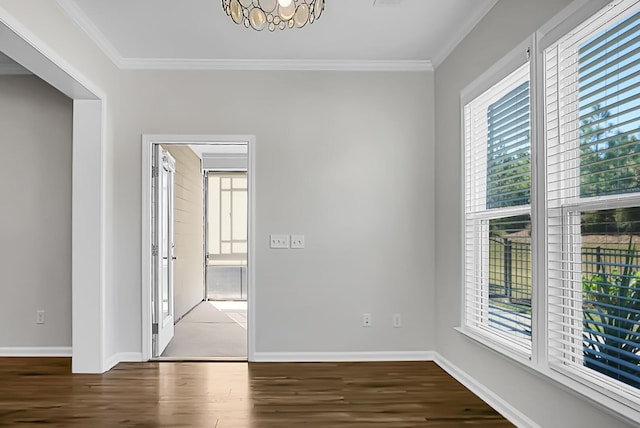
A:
(90, 218)
(148, 141)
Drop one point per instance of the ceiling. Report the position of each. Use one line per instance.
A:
(193, 33)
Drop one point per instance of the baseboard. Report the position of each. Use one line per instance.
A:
(505, 409)
(35, 351)
(298, 357)
(122, 357)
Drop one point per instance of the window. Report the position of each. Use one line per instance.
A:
(592, 82)
(498, 212)
(227, 218)
(578, 319)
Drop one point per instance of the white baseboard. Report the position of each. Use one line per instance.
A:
(505, 409)
(298, 357)
(122, 357)
(35, 351)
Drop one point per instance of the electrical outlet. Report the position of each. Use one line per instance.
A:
(397, 320)
(297, 241)
(279, 241)
(366, 320)
(40, 317)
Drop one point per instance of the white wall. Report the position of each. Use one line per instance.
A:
(35, 219)
(344, 158)
(544, 401)
(188, 278)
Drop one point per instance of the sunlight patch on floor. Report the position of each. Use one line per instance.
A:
(234, 309)
(229, 305)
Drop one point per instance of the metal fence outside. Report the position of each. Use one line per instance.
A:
(610, 302)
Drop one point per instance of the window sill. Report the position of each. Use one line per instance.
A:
(486, 340)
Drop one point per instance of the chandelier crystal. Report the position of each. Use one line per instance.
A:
(273, 14)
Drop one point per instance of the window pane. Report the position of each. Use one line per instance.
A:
(509, 149)
(239, 213)
(213, 214)
(225, 216)
(611, 292)
(609, 76)
(239, 248)
(239, 182)
(497, 145)
(510, 275)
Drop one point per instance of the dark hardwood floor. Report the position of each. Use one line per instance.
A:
(42, 391)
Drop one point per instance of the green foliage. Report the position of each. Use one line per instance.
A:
(611, 221)
(609, 158)
(509, 149)
(509, 180)
(611, 307)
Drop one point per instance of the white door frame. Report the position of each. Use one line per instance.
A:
(146, 258)
(88, 243)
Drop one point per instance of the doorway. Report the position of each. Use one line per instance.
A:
(89, 219)
(198, 272)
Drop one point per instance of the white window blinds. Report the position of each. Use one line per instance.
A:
(497, 143)
(592, 123)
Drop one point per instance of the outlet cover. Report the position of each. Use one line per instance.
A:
(366, 320)
(397, 320)
(279, 241)
(40, 317)
(297, 241)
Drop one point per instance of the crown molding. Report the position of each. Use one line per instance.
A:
(448, 48)
(275, 65)
(76, 14)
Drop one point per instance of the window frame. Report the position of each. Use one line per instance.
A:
(515, 59)
(596, 388)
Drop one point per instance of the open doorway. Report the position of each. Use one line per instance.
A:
(198, 203)
(89, 218)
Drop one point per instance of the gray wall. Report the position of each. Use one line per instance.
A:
(188, 276)
(544, 401)
(35, 218)
(343, 158)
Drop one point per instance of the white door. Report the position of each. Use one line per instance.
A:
(163, 246)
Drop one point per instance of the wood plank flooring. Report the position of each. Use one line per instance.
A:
(42, 391)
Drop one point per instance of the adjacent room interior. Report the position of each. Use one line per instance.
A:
(204, 275)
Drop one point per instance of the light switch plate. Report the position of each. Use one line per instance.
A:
(279, 241)
(297, 241)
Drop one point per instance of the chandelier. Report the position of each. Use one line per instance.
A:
(273, 14)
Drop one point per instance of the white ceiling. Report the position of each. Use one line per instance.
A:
(202, 149)
(144, 33)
